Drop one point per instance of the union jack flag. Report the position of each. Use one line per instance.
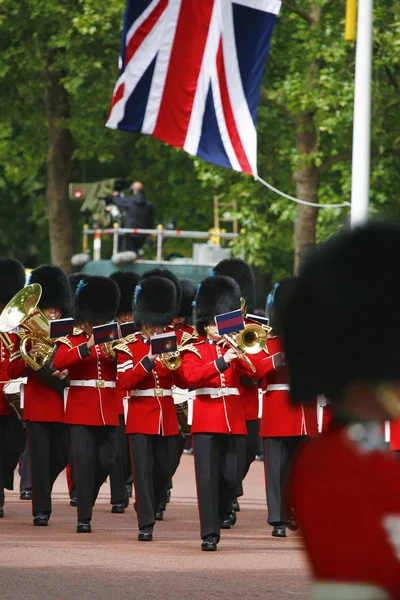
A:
(190, 75)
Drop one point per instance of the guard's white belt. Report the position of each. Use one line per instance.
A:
(95, 383)
(154, 392)
(278, 387)
(217, 392)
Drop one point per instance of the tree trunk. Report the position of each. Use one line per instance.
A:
(59, 163)
(307, 182)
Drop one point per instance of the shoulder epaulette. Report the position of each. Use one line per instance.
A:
(131, 338)
(66, 341)
(122, 347)
(77, 331)
(190, 348)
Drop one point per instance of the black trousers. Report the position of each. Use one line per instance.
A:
(48, 449)
(181, 446)
(72, 474)
(12, 443)
(251, 449)
(219, 463)
(25, 469)
(153, 464)
(119, 472)
(278, 455)
(94, 450)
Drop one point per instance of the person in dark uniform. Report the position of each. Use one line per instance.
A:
(126, 282)
(12, 433)
(43, 405)
(243, 274)
(139, 214)
(283, 426)
(151, 421)
(219, 426)
(90, 406)
(341, 339)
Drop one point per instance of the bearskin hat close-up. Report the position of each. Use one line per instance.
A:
(189, 289)
(74, 280)
(12, 278)
(215, 295)
(154, 302)
(158, 272)
(243, 274)
(126, 281)
(56, 289)
(346, 301)
(96, 300)
(277, 302)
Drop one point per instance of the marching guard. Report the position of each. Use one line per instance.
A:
(126, 282)
(345, 484)
(43, 407)
(90, 404)
(12, 433)
(283, 425)
(151, 421)
(219, 426)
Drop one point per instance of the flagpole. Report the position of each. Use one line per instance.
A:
(362, 115)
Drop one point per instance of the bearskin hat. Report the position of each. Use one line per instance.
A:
(243, 274)
(154, 301)
(74, 280)
(215, 295)
(96, 300)
(345, 303)
(12, 278)
(126, 281)
(56, 290)
(168, 275)
(189, 289)
(277, 303)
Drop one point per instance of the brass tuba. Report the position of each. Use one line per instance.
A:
(22, 311)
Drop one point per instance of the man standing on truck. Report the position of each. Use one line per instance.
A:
(139, 214)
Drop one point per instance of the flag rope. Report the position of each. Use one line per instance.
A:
(273, 189)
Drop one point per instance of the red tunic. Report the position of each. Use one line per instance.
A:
(223, 414)
(87, 405)
(394, 429)
(149, 415)
(5, 408)
(346, 497)
(41, 403)
(281, 418)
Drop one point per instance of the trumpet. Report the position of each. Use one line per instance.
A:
(251, 340)
(171, 360)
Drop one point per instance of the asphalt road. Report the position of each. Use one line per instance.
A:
(55, 563)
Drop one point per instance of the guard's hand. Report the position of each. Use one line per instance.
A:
(278, 360)
(90, 342)
(60, 374)
(35, 351)
(230, 354)
(151, 356)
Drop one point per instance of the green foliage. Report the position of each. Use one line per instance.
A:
(310, 69)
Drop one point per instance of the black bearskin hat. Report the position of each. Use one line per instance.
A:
(215, 295)
(343, 320)
(243, 274)
(277, 303)
(126, 281)
(74, 280)
(154, 301)
(12, 278)
(96, 300)
(189, 289)
(168, 275)
(56, 290)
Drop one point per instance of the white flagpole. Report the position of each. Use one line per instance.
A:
(362, 115)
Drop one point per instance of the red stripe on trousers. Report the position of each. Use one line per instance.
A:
(229, 117)
(144, 30)
(183, 71)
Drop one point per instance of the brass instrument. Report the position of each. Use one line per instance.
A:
(171, 360)
(22, 311)
(250, 340)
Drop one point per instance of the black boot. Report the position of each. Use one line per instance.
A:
(235, 505)
(83, 527)
(26, 494)
(209, 543)
(279, 530)
(118, 509)
(41, 520)
(160, 515)
(145, 534)
(73, 501)
(1, 512)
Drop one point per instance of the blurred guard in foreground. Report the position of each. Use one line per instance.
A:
(341, 339)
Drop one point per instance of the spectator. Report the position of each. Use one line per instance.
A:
(139, 214)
